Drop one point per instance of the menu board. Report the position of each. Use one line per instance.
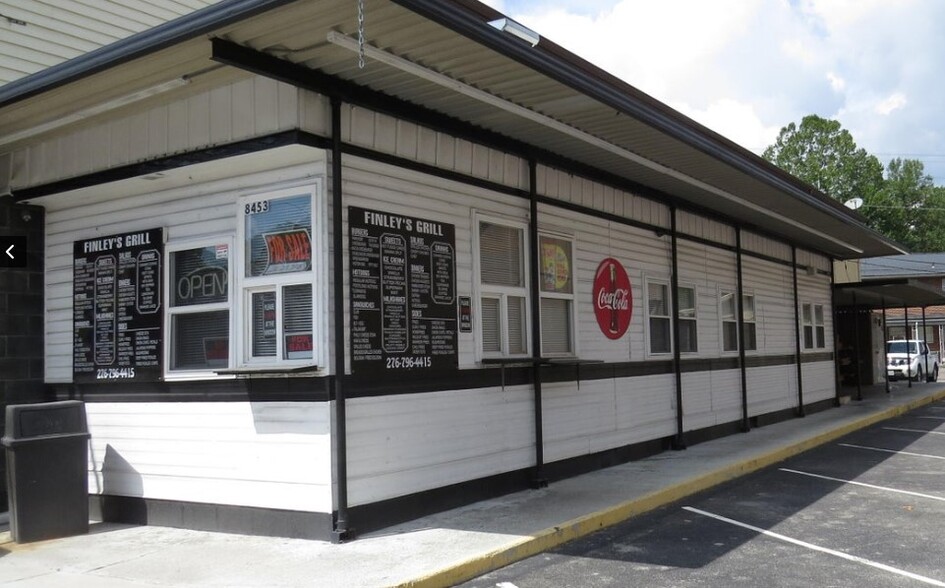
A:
(116, 305)
(403, 292)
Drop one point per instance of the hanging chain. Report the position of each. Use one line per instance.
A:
(360, 34)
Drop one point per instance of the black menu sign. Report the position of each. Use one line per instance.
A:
(117, 307)
(403, 292)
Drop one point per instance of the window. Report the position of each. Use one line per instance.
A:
(556, 282)
(688, 335)
(748, 322)
(729, 316)
(249, 303)
(198, 313)
(819, 334)
(658, 309)
(277, 278)
(729, 321)
(812, 317)
(502, 289)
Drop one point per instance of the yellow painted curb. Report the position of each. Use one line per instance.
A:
(579, 527)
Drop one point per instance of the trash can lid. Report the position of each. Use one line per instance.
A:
(48, 419)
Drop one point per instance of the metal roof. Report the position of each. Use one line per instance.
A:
(927, 265)
(889, 293)
(453, 62)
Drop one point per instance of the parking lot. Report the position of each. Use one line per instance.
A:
(865, 510)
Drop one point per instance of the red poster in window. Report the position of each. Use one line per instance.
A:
(298, 346)
(613, 300)
(289, 251)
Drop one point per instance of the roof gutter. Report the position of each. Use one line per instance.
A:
(149, 41)
(588, 79)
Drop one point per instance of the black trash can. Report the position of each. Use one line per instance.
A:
(47, 470)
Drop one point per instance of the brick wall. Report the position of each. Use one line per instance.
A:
(21, 316)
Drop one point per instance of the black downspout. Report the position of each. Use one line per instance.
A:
(341, 532)
(797, 336)
(885, 356)
(835, 314)
(679, 442)
(746, 426)
(538, 479)
(905, 316)
(856, 347)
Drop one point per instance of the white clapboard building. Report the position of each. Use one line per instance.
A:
(312, 276)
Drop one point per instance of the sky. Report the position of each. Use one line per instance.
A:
(747, 68)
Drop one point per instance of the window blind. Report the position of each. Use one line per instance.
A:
(501, 255)
(555, 325)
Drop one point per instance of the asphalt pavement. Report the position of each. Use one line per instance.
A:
(864, 510)
(455, 546)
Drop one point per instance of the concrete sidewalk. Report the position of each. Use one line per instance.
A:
(442, 549)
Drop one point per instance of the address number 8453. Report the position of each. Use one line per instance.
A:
(256, 207)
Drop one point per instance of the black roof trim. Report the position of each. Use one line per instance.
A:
(181, 29)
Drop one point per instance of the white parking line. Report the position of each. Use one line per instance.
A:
(914, 430)
(813, 547)
(932, 418)
(886, 488)
(891, 451)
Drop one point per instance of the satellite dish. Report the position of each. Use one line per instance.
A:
(853, 203)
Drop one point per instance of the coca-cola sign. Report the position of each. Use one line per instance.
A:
(613, 298)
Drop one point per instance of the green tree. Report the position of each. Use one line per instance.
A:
(823, 154)
(909, 208)
(904, 205)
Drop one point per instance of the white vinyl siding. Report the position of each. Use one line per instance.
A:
(252, 107)
(260, 454)
(395, 449)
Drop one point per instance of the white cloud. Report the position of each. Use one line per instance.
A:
(837, 84)
(735, 120)
(891, 103)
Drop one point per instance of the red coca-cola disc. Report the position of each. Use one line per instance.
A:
(613, 298)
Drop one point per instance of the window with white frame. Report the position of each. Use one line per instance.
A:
(248, 304)
(728, 313)
(688, 323)
(556, 283)
(812, 317)
(502, 287)
(198, 309)
(658, 317)
(277, 278)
